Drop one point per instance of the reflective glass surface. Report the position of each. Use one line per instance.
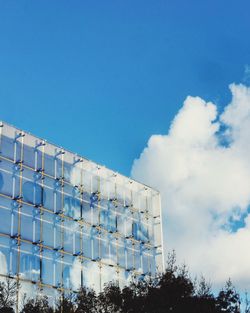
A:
(66, 222)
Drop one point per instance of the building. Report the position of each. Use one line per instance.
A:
(66, 222)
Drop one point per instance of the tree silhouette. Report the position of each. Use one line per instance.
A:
(228, 299)
(66, 304)
(110, 299)
(86, 301)
(173, 291)
(8, 289)
(37, 305)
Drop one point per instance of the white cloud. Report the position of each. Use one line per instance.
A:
(91, 274)
(3, 264)
(205, 185)
(75, 274)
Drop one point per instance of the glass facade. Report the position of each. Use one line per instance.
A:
(66, 222)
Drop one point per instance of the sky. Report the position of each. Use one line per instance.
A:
(153, 89)
(201, 167)
(100, 77)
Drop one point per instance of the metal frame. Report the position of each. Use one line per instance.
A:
(81, 222)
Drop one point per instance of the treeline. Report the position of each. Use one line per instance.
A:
(172, 292)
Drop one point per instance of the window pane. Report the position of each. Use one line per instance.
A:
(29, 262)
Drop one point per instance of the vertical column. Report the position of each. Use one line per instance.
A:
(147, 230)
(99, 222)
(162, 250)
(1, 131)
(133, 251)
(20, 163)
(100, 275)
(81, 218)
(146, 210)
(81, 254)
(115, 233)
(134, 229)
(42, 144)
(62, 223)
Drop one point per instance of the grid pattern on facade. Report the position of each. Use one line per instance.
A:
(66, 222)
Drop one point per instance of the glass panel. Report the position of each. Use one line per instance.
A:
(52, 230)
(145, 264)
(86, 180)
(104, 253)
(67, 262)
(86, 208)
(120, 194)
(8, 214)
(29, 154)
(31, 187)
(152, 265)
(7, 147)
(10, 178)
(121, 220)
(52, 295)
(77, 240)
(1, 182)
(122, 278)
(137, 257)
(49, 165)
(5, 256)
(128, 223)
(53, 195)
(49, 160)
(91, 275)
(76, 274)
(121, 253)
(108, 273)
(59, 164)
(113, 250)
(70, 228)
(72, 202)
(129, 255)
(78, 208)
(29, 262)
(128, 196)
(30, 223)
(96, 244)
(51, 268)
(49, 194)
(87, 241)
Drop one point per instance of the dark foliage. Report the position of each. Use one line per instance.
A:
(7, 294)
(66, 305)
(171, 292)
(6, 310)
(86, 301)
(37, 305)
(228, 299)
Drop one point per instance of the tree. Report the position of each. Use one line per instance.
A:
(176, 292)
(171, 292)
(203, 300)
(86, 301)
(8, 289)
(6, 310)
(110, 299)
(66, 304)
(228, 299)
(134, 296)
(247, 304)
(37, 305)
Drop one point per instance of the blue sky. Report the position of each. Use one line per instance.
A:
(100, 77)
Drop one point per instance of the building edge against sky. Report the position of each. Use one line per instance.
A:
(67, 222)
